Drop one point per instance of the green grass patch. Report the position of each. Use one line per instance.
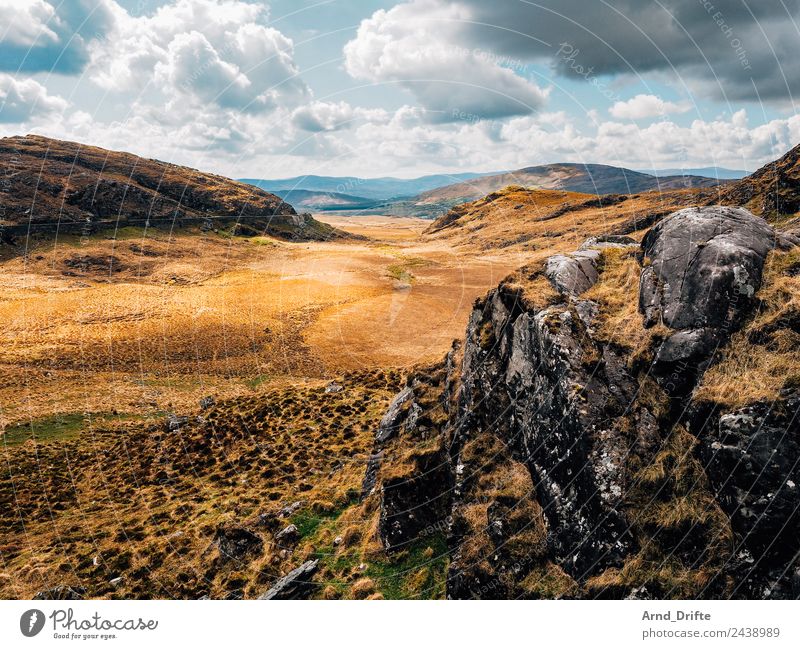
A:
(416, 573)
(62, 426)
(48, 429)
(402, 271)
(263, 241)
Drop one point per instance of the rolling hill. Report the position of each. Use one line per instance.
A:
(572, 177)
(319, 201)
(57, 186)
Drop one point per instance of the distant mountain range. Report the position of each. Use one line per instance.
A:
(584, 178)
(432, 196)
(380, 189)
(306, 200)
(720, 173)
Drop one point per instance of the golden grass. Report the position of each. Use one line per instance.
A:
(617, 294)
(764, 356)
(145, 503)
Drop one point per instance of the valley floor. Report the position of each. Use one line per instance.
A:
(137, 325)
(105, 339)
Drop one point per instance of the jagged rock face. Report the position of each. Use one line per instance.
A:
(533, 385)
(413, 505)
(752, 457)
(613, 479)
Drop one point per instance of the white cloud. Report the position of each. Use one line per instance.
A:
(416, 45)
(319, 116)
(646, 106)
(39, 36)
(25, 21)
(21, 100)
(218, 51)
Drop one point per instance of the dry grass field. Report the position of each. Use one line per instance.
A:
(104, 338)
(149, 325)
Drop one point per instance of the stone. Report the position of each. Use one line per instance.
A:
(288, 510)
(574, 273)
(705, 267)
(297, 584)
(289, 535)
(395, 416)
(371, 474)
(207, 402)
(62, 592)
(174, 422)
(333, 387)
(610, 241)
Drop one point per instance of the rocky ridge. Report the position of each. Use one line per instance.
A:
(562, 461)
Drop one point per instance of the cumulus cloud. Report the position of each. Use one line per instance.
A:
(402, 141)
(218, 51)
(416, 45)
(645, 106)
(22, 100)
(40, 36)
(319, 116)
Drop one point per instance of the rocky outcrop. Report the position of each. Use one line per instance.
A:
(562, 469)
(298, 584)
(752, 457)
(705, 268)
(772, 190)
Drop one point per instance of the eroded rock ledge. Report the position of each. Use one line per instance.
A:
(559, 463)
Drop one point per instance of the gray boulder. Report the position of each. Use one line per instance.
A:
(574, 273)
(705, 267)
(297, 584)
(288, 535)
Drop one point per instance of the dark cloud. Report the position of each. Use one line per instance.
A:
(736, 49)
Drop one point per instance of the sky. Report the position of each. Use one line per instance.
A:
(371, 87)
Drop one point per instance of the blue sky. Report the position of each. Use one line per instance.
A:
(273, 89)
